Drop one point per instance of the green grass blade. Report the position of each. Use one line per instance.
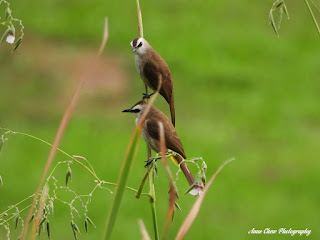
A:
(155, 221)
(1, 142)
(123, 177)
(313, 17)
(315, 5)
(152, 194)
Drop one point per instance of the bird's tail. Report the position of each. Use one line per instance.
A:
(184, 167)
(172, 111)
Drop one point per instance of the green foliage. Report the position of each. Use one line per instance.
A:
(9, 22)
(46, 209)
(312, 14)
(123, 178)
(240, 92)
(280, 6)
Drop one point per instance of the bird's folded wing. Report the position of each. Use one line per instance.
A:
(151, 72)
(171, 137)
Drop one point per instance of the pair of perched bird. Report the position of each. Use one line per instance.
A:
(156, 75)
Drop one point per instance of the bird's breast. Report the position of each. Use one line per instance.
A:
(139, 64)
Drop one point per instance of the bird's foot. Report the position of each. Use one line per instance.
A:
(149, 161)
(146, 96)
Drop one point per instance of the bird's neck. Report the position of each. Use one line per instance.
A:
(138, 116)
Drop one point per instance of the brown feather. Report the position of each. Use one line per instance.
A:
(150, 133)
(134, 42)
(172, 111)
(154, 71)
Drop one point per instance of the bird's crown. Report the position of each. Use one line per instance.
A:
(139, 45)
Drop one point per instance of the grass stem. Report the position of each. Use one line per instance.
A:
(313, 17)
(142, 183)
(123, 177)
(152, 194)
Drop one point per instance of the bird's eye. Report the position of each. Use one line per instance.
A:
(140, 44)
(136, 110)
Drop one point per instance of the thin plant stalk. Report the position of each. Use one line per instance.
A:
(74, 158)
(172, 191)
(152, 194)
(315, 5)
(42, 204)
(140, 25)
(125, 169)
(154, 218)
(145, 176)
(16, 214)
(123, 177)
(143, 230)
(196, 206)
(91, 170)
(142, 183)
(17, 204)
(62, 127)
(313, 17)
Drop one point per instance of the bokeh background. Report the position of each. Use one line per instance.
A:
(239, 92)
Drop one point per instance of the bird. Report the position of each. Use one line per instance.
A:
(154, 71)
(151, 135)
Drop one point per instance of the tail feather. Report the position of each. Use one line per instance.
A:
(185, 169)
(168, 95)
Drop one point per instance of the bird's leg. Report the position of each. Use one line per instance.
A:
(149, 151)
(147, 95)
(150, 159)
(145, 85)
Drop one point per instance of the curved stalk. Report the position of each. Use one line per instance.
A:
(313, 17)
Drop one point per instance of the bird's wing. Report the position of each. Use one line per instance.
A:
(152, 73)
(173, 142)
(152, 128)
(171, 137)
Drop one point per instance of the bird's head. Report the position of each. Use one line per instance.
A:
(139, 45)
(137, 109)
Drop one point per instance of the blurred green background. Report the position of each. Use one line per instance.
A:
(239, 92)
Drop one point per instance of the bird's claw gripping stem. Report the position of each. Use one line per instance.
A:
(149, 161)
(147, 96)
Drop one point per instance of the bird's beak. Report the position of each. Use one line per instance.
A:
(127, 110)
(134, 49)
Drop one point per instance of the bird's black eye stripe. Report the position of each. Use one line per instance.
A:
(140, 44)
(136, 110)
